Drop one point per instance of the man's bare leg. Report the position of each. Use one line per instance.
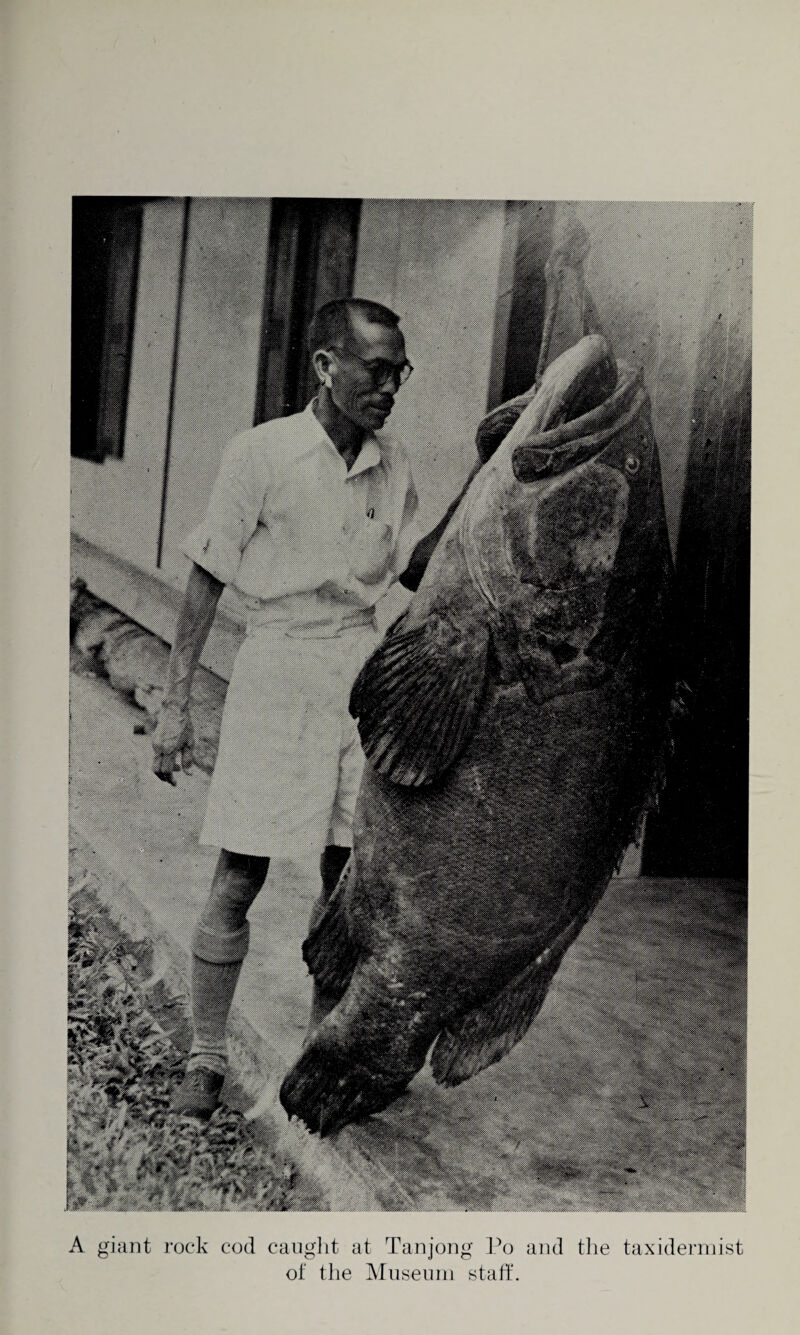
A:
(331, 866)
(219, 945)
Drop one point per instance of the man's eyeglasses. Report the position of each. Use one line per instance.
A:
(380, 370)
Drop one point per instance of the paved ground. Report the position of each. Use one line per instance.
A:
(627, 1093)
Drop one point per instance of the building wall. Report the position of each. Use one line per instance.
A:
(435, 262)
(702, 823)
(446, 267)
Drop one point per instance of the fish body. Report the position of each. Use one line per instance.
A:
(513, 719)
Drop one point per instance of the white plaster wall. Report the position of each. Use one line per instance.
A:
(117, 504)
(218, 355)
(436, 262)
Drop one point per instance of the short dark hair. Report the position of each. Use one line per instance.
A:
(331, 322)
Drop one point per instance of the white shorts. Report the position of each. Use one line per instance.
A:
(289, 761)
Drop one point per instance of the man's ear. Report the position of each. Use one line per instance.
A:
(321, 361)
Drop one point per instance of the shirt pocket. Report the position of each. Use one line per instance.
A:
(371, 550)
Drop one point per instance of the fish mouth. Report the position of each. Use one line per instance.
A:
(327, 1088)
(551, 452)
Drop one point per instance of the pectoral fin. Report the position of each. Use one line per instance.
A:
(418, 696)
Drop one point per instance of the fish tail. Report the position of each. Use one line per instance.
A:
(327, 1090)
(482, 1036)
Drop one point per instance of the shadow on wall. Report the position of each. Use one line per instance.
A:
(702, 826)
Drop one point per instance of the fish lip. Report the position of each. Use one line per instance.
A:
(574, 442)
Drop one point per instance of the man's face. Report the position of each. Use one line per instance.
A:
(353, 386)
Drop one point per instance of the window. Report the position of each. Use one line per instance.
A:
(312, 253)
(105, 257)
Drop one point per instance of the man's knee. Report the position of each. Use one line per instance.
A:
(222, 932)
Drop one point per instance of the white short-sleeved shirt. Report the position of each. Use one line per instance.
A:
(299, 537)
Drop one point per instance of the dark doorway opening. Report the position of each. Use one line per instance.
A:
(312, 256)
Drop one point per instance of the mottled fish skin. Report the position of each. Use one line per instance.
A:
(513, 720)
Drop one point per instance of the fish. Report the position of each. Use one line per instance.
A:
(515, 721)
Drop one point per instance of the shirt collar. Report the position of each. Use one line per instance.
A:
(369, 455)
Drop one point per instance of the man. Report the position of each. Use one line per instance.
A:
(311, 520)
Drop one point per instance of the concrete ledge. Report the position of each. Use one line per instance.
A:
(152, 601)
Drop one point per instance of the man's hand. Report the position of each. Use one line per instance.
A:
(422, 553)
(173, 742)
(173, 738)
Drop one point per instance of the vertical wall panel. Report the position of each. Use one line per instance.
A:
(437, 262)
(649, 271)
(218, 355)
(505, 300)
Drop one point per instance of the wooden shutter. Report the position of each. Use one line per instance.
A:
(105, 257)
(118, 341)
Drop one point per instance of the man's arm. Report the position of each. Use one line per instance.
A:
(173, 738)
(422, 553)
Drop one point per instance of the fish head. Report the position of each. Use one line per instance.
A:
(564, 534)
(554, 558)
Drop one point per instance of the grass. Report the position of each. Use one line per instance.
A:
(125, 1151)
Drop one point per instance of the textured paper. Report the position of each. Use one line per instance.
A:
(443, 100)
